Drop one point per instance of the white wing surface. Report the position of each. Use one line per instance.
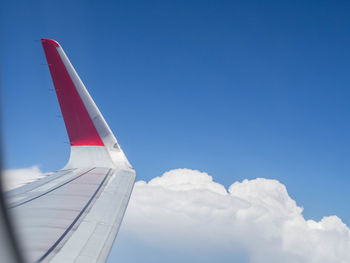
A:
(74, 214)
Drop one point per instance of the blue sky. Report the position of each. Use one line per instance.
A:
(238, 89)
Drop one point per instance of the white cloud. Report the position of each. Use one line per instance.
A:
(195, 219)
(18, 177)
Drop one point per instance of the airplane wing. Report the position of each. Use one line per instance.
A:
(73, 215)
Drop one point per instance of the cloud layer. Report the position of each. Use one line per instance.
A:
(254, 221)
(184, 216)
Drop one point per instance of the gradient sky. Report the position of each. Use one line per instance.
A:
(238, 89)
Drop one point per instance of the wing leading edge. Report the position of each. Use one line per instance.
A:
(74, 214)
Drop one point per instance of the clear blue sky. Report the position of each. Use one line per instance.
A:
(238, 89)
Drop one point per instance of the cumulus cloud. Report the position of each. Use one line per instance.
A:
(193, 218)
(18, 177)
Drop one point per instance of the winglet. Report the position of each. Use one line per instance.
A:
(87, 130)
(48, 41)
(80, 128)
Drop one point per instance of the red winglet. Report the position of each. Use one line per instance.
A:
(50, 42)
(80, 128)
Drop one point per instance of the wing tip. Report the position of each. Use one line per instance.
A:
(49, 42)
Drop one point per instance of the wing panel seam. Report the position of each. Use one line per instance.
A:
(53, 189)
(75, 220)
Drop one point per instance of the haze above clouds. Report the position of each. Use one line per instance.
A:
(184, 213)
